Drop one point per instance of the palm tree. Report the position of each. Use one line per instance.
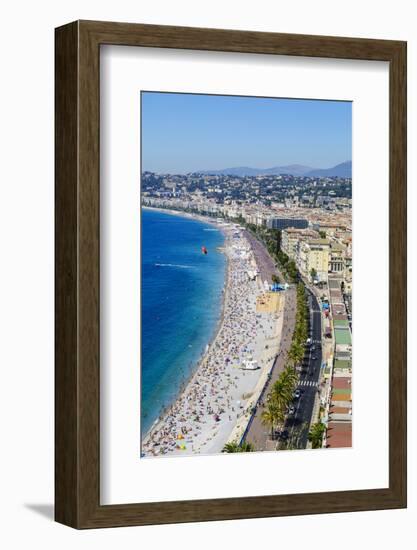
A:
(247, 447)
(231, 448)
(269, 416)
(234, 447)
(290, 376)
(296, 352)
(316, 435)
(292, 354)
(281, 393)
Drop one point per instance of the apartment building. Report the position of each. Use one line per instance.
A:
(285, 223)
(337, 258)
(291, 237)
(314, 255)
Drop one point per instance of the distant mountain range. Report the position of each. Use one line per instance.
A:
(343, 170)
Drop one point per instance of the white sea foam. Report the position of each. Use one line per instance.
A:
(175, 265)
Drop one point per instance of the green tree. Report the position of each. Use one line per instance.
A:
(322, 234)
(296, 352)
(247, 447)
(234, 447)
(292, 271)
(281, 394)
(231, 448)
(313, 274)
(270, 416)
(290, 377)
(277, 240)
(316, 435)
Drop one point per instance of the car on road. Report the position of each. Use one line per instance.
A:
(291, 409)
(297, 394)
(314, 357)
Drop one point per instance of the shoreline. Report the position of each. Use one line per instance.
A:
(183, 214)
(193, 371)
(215, 402)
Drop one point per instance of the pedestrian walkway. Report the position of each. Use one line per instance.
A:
(308, 383)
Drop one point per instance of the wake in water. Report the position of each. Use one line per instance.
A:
(181, 302)
(175, 265)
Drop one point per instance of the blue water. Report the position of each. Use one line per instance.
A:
(181, 303)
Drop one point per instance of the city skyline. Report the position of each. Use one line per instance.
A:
(183, 133)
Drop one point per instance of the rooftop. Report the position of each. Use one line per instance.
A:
(322, 242)
(342, 323)
(342, 364)
(342, 336)
(339, 434)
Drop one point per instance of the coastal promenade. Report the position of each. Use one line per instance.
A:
(264, 261)
(298, 424)
(258, 434)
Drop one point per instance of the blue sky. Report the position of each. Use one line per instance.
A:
(185, 132)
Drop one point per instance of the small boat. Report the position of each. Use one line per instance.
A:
(204, 250)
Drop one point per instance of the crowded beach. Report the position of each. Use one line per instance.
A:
(220, 394)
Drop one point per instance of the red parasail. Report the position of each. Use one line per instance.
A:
(204, 250)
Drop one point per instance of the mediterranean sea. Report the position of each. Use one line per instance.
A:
(181, 302)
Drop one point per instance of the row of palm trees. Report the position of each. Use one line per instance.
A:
(300, 334)
(274, 413)
(281, 394)
(282, 391)
(318, 429)
(279, 399)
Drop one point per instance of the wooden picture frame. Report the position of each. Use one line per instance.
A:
(77, 404)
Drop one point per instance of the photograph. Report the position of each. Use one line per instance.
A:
(198, 198)
(246, 274)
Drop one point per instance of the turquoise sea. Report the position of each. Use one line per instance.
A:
(181, 300)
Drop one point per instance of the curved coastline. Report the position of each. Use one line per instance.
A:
(215, 406)
(183, 214)
(193, 371)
